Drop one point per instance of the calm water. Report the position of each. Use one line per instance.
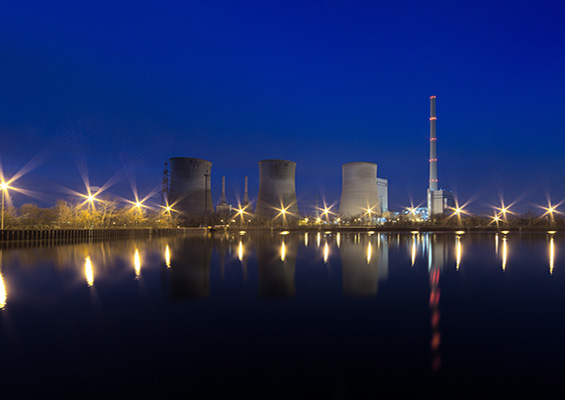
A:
(323, 315)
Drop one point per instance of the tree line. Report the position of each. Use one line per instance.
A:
(102, 214)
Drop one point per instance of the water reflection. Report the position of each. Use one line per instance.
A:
(504, 252)
(88, 271)
(189, 274)
(276, 260)
(137, 263)
(458, 252)
(363, 265)
(551, 254)
(168, 256)
(3, 293)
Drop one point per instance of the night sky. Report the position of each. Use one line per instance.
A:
(114, 89)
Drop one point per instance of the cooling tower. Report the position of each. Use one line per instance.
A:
(189, 190)
(359, 193)
(277, 191)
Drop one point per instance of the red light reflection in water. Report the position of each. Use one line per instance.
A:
(434, 307)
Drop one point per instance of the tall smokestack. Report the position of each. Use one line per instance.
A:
(246, 194)
(433, 140)
(223, 199)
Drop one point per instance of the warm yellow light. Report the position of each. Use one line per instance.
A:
(552, 232)
(137, 263)
(283, 251)
(458, 253)
(505, 232)
(551, 255)
(338, 239)
(284, 233)
(496, 218)
(504, 253)
(240, 251)
(318, 238)
(168, 256)
(4, 186)
(326, 252)
(413, 249)
(306, 239)
(88, 271)
(138, 204)
(242, 232)
(369, 252)
(3, 293)
(460, 232)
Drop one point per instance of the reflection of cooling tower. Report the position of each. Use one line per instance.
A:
(189, 275)
(276, 257)
(364, 261)
(189, 189)
(277, 190)
(359, 190)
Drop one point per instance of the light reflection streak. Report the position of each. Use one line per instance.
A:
(88, 271)
(551, 255)
(283, 251)
(306, 239)
(137, 263)
(3, 293)
(458, 252)
(338, 239)
(413, 250)
(496, 244)
(369, 252)
(318, 238)
(326, 252)
(504, 253)
(240, 251)
(168, 256)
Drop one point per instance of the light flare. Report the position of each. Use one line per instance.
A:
(88, 271)
(137, 263)
(167, 256)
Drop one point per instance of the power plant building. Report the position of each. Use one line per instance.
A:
(189, 187)
(382, 191)
(277, 191)
(359, 192)
(438, 200)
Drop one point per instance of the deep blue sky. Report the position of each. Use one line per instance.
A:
(123, 86)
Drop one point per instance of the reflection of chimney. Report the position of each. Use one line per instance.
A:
(361, 259)
(276, 265)
(189, 275)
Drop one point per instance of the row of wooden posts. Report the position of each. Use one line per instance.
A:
(7, 235)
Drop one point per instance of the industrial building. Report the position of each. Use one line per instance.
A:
(276, 200)
(382, 191)
(359, 192)
(189, 187)
(438, 200)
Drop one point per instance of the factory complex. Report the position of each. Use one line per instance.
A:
(364, 196)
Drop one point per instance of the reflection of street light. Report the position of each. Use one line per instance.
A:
(4, 187)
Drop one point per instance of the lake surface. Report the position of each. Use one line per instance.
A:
(281, 316)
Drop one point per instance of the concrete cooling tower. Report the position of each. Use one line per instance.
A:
(189, 190)
(277, 191)
(359, 191)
